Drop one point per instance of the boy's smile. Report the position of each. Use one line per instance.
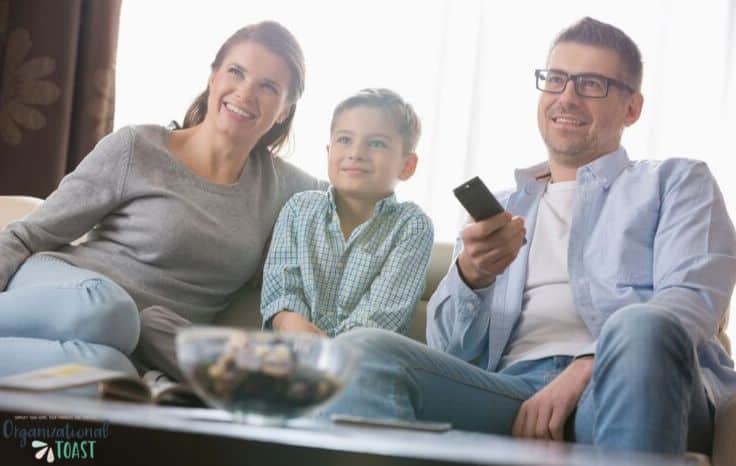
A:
(366, 155)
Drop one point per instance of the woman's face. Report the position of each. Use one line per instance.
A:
(249, 93)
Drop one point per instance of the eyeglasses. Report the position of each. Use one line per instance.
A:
(586, 84)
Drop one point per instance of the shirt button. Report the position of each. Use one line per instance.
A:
(471, 306)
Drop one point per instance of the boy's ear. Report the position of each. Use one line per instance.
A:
(410, 166)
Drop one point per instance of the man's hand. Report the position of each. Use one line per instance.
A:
(543, 415)
(287, 321)
(489, 246)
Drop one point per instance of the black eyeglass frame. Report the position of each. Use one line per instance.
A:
(575, 80)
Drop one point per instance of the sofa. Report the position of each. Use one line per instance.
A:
(244, 312)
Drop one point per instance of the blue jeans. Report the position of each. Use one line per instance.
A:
(54, 313)
(645, 393)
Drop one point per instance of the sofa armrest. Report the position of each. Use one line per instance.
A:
(14, 208)
(244, 310)
(724, 438)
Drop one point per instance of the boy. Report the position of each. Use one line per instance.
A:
(353, 256)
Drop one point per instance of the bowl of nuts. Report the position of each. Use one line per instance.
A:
(263, 377)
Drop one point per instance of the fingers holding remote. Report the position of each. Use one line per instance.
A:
(489, 247)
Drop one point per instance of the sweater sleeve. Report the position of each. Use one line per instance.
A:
(296, 180)
(80, 201)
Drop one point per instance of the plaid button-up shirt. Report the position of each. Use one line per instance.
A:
(372, 279)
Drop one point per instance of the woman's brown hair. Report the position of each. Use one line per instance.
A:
(278, 40)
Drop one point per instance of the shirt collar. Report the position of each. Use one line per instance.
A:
(388, 203)
(605, 168)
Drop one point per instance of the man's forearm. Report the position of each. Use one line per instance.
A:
(458, 316)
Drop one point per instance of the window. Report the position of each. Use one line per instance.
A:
(466, 66)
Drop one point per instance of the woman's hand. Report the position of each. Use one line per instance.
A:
(288, 321)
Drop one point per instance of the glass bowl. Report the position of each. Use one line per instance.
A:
(263, 378)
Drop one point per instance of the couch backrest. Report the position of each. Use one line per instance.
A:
(245, 308)
(13, 208)
(439, 263)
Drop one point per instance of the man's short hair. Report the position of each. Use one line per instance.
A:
(401, 113)
(589, 31)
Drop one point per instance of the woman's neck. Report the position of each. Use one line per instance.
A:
(210, 154)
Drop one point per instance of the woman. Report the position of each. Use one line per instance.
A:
(178, 219)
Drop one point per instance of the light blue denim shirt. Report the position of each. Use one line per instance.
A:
(372, 279)
(652, 232)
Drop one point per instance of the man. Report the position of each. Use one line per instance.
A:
(602, 328)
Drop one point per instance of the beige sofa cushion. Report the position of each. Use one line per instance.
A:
(245, 308)
(14, 208)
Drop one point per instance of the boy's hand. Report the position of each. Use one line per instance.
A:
(288, 321)
(489, 246)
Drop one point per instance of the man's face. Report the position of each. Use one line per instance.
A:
(578, 130)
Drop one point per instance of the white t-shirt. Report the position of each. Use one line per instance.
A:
(549, 324)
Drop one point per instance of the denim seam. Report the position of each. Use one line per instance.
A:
(83, 284)
(470, 384)
(86, 284)
(46, 258)
(403, 411)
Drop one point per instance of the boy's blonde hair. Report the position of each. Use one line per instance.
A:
(402, 114)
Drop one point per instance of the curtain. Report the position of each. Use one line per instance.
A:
(57, 88)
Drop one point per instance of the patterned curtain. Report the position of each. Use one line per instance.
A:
(57, 88)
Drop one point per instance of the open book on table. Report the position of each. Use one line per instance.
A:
(153, 387)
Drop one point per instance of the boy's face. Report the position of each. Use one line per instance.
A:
(366, 154)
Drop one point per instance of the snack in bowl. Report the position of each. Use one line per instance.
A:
(262, 377)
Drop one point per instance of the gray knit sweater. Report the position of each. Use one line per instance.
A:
(161, 232)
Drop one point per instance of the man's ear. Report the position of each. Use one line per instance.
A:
(633, 108)
(410, 166)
